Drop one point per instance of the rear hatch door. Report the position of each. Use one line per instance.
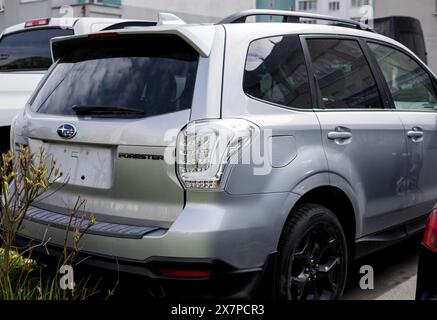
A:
(109, 113)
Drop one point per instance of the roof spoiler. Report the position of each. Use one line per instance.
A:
(200, 38)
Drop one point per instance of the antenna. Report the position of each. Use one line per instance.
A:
(165, 19)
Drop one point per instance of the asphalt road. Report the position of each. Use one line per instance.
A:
(395, 271)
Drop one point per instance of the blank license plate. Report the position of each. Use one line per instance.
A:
(82, 165)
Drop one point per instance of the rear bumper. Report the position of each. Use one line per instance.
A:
(224, 281)
(237, 233)
(239, 230)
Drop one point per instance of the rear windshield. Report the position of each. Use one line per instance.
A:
(28, 50)
(153, 74)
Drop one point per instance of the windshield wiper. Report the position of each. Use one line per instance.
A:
(100, 110)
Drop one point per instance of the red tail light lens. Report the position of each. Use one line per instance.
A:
(192, 274)
(37, 23)
(430, 236)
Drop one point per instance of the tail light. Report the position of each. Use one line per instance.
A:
(37, 23)
(204, 148)
(106, 35)
(430, 236)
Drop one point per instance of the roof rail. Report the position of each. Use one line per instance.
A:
(294, 17)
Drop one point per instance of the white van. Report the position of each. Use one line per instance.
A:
(25, 56)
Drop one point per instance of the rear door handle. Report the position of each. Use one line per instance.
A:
(415, 134)
(339, 135)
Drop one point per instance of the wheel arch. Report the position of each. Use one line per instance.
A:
(340, 203)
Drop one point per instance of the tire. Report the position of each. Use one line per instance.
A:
(313, 259)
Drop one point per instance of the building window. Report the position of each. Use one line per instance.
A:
(360, 3)
(334, 6)
(308, 5)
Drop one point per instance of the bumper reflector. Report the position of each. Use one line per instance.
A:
(192, 274)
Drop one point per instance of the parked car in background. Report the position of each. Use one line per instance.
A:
(426, 274)
(25, 57)
(349, 114)
(406, 30)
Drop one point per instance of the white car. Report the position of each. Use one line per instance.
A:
(25, 56)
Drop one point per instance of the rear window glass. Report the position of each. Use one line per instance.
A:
(152, 74)
(276, 72)
(28, 50)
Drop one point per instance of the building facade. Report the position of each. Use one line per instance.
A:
(353, 9)
(191, 11)
(275, 4)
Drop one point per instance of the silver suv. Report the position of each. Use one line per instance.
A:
(236, 158)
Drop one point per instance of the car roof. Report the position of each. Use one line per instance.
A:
(201, 36)
(260, 30)
(69, 23)
(241, 31)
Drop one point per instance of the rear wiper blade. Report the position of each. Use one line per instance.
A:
(96, 110)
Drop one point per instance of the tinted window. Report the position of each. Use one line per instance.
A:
(28, 50)
(343, 74)
(276, 72)
(154, 79)
(410, 86)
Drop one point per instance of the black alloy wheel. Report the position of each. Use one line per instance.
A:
(313, 256)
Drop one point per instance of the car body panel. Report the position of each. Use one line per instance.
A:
(121, 148)
(421, 188)
(242, 224)
(375, 150)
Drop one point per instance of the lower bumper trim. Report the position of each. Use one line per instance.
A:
(63, 221)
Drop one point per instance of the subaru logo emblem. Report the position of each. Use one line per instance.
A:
(67, 131)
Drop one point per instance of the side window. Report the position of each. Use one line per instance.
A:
(276, 72)
(343, 74)
(410, 85)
